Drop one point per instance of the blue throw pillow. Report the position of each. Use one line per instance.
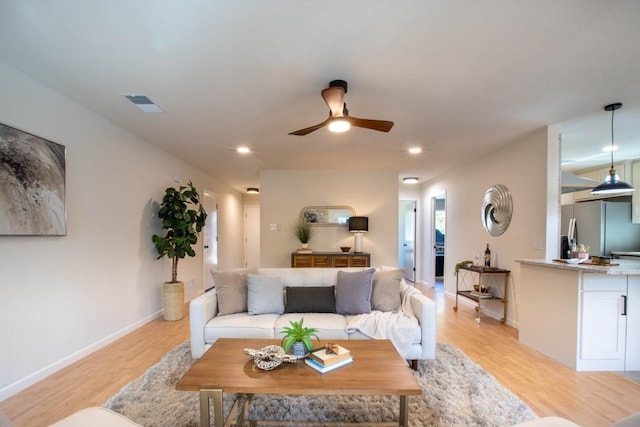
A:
(265, 295)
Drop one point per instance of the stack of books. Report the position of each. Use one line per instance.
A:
(323, 362)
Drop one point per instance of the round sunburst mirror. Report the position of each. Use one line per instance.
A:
(497, 209)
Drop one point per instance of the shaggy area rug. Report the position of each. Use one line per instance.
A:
(456, 392)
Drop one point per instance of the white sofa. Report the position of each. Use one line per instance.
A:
(206, 325)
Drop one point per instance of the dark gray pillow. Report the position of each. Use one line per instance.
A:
(353, 291)
(311, 299)
(385, 293)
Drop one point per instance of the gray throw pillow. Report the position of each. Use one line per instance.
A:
(311, 299)
(353, 291)
(385, 293)
(231, 289)
(264, 295)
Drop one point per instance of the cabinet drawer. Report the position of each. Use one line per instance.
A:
(604, 282)
(359, 261)
(302, 261)
(340, 261)
(321, 261)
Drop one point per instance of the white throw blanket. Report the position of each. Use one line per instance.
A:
(400, 328)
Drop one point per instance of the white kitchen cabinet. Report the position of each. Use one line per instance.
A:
(632, 360)
(603, 324)
(577, 314)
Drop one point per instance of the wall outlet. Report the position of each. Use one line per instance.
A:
(274, 227)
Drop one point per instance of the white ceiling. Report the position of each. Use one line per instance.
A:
(458, 77)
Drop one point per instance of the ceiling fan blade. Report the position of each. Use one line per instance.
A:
(334, 97)
(380, 125)
(308, 130)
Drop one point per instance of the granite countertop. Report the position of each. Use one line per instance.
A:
(626, 267)
(626, 253)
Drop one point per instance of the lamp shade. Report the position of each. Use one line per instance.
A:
(612, 185)
(359, 223)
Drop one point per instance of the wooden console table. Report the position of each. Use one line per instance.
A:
(330, 259)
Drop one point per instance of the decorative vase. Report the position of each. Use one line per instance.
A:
(305, 245)
(299, 350)
(173, 297)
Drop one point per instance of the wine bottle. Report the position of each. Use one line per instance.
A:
(487, 257)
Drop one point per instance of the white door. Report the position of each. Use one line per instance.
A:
(407, 236)
(438, 228)
(252, 236)
(210, 239)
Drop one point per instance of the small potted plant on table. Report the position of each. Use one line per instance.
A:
(303, 231)
(297, 338)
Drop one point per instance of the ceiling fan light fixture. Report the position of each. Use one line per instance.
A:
(612, 185)
(339, 125)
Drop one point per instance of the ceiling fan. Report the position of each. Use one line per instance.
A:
(339, 119)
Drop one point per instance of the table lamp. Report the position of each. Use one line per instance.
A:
(358, 225)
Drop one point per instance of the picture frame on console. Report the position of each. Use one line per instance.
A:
(32, 185)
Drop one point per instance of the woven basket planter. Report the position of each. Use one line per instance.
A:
(173, 297)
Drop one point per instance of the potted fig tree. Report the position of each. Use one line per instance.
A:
(183, 218)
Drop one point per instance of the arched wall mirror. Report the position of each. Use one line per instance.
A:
(327, 215)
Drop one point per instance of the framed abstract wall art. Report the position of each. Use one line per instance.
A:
(32, 185)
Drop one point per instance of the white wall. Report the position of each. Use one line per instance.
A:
(523, 167)
(283, 193)
(63, 297)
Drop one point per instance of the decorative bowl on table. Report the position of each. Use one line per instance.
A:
(573, 261)
(345, 248)
(483, 290)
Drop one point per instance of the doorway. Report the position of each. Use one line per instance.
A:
(407, 238)
(438, 227)
(252, 236)
(210, 239)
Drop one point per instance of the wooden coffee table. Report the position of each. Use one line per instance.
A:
(377, 369)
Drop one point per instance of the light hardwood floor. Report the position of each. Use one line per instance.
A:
(587, 398)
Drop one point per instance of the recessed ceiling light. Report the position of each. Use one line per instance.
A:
(143, 103)
(243, 150)
(253, 190)
(415, 150)
(410, 180)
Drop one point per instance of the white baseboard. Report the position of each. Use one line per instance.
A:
(41, 374)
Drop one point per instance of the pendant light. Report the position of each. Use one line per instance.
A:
(612, 185)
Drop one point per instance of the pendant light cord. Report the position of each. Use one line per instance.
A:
(613, 111)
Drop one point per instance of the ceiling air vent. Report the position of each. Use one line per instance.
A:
(143, 103)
